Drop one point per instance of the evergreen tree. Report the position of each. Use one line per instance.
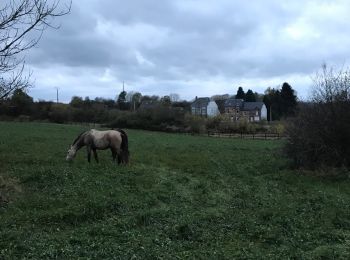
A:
(282, 102)
(250, 96)
(122, 104)
(240, 93)
(272, 100)
(122, 97)
(288, 99)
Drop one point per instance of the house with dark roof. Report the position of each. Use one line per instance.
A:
(237, 109)
(204, 107)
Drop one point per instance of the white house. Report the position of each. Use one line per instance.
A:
(212, 109)
(204, 107)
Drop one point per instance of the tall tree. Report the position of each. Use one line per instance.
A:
(136, 100)
(17, 20)
(121, 97)
(272, 100)
(280, 103)
(22, 102)
(165, 101)
(288, 99)
(250, 96)
(122, 104)
(240, 93)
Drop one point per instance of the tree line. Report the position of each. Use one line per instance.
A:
(131, 110)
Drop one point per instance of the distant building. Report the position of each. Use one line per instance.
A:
(237, 109)
(212, 109)
(204, 107)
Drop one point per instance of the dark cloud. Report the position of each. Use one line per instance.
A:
(164, 45)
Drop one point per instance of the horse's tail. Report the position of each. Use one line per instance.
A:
(124, 146)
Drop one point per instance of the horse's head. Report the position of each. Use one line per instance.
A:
(71, 153)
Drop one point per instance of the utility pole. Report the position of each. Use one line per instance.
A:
(56, 94)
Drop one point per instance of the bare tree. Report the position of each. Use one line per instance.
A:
(174, 97)
(18, 18)
(320, 134)
(129, 95)
(331, 86)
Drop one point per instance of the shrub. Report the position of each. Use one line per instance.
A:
(214, 122)
(195, 123)
(320, 135)
(278, 127)
(59, 113)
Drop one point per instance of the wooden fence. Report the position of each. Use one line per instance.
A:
(257, 136)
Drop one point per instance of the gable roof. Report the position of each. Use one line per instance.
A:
(244, 106)
(200, 102)
(232, 102)
(249, 106)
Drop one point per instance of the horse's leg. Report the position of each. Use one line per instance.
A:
(88, 149)
(114, 154)
(120, 157)
(95, 155)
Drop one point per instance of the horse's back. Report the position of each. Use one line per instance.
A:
(104, 139)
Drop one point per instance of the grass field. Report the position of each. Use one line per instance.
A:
(181, 197)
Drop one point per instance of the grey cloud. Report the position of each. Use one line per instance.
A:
(178, 41)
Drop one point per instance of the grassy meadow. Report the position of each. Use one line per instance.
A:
(180, 197)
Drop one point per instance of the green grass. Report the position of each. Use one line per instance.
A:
(181, 197)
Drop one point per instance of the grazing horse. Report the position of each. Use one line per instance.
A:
(116, 140)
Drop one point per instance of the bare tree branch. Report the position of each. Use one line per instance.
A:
(17, 19)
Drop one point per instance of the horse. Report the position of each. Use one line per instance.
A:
(116, 140)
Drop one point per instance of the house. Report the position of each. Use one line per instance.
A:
(212, 109)
(237, 109)
(204, 107)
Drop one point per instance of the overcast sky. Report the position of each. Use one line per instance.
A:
(190, 47)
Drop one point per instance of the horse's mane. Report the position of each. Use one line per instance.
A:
(76, 139)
